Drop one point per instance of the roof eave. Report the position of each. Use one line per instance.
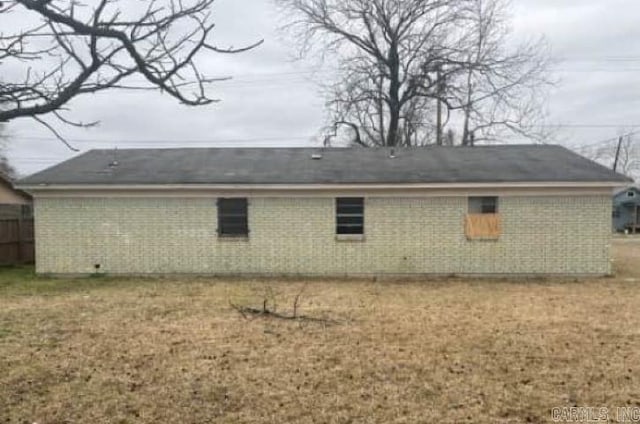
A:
(293, 187)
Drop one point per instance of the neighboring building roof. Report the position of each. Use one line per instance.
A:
(9, 195)
(432, 164)
(623, 193)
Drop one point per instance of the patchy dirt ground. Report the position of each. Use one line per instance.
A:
(626, 257)
(447, 351)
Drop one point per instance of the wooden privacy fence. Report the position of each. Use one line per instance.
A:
(16, 241)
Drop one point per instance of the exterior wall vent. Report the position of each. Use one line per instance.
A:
(316, 156)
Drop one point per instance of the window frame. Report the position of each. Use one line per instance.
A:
(483, 222)
(233, 230)
(485, 208)
(342, 203)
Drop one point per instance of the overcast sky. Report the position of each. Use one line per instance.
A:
(274, 101)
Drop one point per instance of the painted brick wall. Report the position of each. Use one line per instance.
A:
(553, 235)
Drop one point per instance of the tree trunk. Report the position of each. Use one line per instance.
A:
(394, 96)
(465, 129)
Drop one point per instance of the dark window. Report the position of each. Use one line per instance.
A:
(232, 218)
(483, 205)
(616, 213)
(631, 194)
(350, 215)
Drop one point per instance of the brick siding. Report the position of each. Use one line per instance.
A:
(541, 234)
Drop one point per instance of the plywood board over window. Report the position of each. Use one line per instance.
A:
(483, 222)
(483, 226)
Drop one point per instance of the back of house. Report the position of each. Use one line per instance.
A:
(510, 210)
(626, 210)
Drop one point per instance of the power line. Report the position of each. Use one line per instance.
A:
(35, 159)
(570, 125)
(299, 77)
(279, 79)
(260, 141)
(633, 70)
(274, 78)
(609, 140)
(630, 58)
(303, 76)
(323, 70)
(177, 141)
(270, 141)
(589, 126)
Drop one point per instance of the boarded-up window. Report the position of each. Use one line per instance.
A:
(232, 218)
(350, 215)
(483, 205)
(483, 227)
(483, 221)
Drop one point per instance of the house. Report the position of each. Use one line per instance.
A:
(331, 212)
(14, 203)
(626, 210)
(16, 225)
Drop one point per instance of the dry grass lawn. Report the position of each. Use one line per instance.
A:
(108, 350)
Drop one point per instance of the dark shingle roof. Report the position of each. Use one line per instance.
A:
(434, 164)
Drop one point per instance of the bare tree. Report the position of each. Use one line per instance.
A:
(61, 49)
(6, 169)
(401, 61)
(628, 155)
(500, 92)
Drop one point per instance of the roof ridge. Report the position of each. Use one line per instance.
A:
(430, 146)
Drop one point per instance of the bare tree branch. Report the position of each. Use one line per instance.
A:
(72, 48)
(55, 133)
(605, 153)
(396, 59)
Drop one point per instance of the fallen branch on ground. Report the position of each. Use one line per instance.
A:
(247, 311)
(270, 298)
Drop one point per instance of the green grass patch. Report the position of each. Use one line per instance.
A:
(5, 332)
(16, 281)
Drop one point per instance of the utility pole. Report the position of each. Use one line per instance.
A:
(615, 163)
